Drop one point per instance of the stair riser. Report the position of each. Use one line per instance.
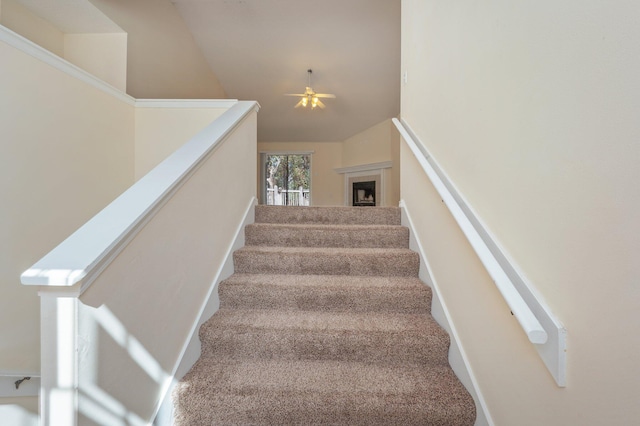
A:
(389, 348)
(334, 216)
(320, 299)
(296, 237)
(404, 265)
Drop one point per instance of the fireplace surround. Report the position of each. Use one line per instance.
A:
(372, 176)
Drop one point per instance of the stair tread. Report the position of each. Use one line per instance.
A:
(307, 375)
(333, 293)
(311, 321)
(327, 226)
(327, 261)
(390, 339)
(327, 392)
(322, 235)
(336, 281)
(339, 214)
(328, 250)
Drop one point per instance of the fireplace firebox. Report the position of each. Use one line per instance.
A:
(364, 193)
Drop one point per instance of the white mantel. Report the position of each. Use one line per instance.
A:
(371, 167)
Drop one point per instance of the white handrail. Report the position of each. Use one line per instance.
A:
(79, 259)
(528, 321)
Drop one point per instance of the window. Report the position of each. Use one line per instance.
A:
(286, 179)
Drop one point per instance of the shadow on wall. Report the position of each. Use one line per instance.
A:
(17, 415)
(103, 398)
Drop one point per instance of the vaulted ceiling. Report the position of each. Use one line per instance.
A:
(261, 49)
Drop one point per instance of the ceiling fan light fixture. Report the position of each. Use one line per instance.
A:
(310, 96)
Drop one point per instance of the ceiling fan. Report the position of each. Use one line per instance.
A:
(310, 97)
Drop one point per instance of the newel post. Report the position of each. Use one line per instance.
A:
(59, 360)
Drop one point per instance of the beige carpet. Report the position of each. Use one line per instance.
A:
(324, 322)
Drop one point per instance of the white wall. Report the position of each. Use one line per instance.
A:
(66, 150)
(103, 55)
(160, 59)
(160, 131)
(327, 186)
(163, 60)
(138, 314)
(531, 108)
(21, 20)
(377, 144)
(372, 145)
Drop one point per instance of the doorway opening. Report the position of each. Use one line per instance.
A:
(286, 179)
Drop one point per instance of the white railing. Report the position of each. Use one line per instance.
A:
(550, 339)
(121, 298)
(287, 197)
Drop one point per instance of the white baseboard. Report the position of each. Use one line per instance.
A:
(457, 356)
(191, 353)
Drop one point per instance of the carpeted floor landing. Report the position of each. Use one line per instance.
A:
(324, 322)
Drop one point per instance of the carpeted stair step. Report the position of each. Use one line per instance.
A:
(269, 234)
(328, 215)
(335, 293)
(385, 338)
(326, 261)
(270, 392)
(324, 322)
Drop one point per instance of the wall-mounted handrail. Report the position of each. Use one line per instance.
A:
(528, 321)
(79, 259)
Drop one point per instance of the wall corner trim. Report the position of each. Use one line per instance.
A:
(25, 45)
(185, 103)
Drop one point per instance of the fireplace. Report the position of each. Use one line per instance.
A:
(372, 178)
(364, 193)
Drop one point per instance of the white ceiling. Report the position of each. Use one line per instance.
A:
(261, 49)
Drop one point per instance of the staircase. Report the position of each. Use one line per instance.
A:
(324, 322)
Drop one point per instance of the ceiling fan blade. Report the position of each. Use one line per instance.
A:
(325, 95)
(299, 104)
(320, 104)
(294, 94)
